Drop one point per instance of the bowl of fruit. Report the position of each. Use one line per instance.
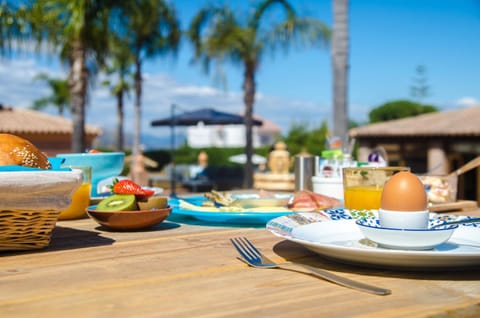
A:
(130, 207)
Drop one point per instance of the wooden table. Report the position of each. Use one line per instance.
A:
(187, 269)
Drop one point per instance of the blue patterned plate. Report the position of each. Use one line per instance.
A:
(334, 234)
(406, 239)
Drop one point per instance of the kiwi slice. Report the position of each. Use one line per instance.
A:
(118, 202)
(155, 202)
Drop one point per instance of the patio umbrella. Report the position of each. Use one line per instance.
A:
(207, 116)
(242, 159)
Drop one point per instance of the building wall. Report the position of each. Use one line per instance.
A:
(53, 144)
(202, 136)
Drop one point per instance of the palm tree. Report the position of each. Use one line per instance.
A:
(340, 50)
(217, 34)
(151, 29)
(12, 25)
(120, 63)
(60, 97)
(79, 29)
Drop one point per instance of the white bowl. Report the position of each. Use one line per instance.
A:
(332, 187)
(405, 239)
(403, 219)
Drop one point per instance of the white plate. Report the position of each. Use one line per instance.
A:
(405, 239)
(334, 234)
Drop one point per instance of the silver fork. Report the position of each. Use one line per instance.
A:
(253, 257)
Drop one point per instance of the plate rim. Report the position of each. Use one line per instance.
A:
(421, 258)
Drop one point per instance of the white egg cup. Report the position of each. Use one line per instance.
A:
(403, 219)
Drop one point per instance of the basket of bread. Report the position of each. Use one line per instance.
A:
(34, 190)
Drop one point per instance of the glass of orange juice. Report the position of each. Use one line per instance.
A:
(80, 198)
(362, 186)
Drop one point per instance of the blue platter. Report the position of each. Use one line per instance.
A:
(256, 218)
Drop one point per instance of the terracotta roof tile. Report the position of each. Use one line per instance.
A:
(20, 120)
(463, 122)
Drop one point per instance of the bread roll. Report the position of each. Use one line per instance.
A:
(15, 150)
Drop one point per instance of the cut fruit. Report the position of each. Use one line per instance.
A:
(118, 202)
(156, 202)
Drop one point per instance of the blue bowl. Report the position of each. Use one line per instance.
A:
(104, 164)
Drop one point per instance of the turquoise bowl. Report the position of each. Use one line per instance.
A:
(104, 164)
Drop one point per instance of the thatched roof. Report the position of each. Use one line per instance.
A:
(26, 121)
(463, 122)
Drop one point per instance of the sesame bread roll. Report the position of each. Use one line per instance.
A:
(15, 150)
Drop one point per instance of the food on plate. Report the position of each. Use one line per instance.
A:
(311, 201)
(230, 199)
(17, 151)
(127, 186)
(271, 202)
(118, 202)
(219, 198)
(404, 191)
(192, 207)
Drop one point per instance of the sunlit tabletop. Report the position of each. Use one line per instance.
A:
(185, 268)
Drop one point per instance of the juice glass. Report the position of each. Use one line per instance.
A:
(362, 186)
(80, 198)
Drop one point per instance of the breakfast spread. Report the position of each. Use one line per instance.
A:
(268, 202)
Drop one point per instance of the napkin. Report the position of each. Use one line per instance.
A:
(38, 189)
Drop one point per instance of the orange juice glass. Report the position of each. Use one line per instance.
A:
(362, 186)
(80, 198)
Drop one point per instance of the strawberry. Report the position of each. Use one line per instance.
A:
(129, 187)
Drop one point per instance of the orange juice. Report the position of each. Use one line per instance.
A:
(80, 201)
(363, 197)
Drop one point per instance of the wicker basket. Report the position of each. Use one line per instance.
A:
(31, 204)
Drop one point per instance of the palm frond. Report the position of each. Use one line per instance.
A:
(266, 6)
(300, 32)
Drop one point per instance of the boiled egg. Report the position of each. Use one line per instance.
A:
(404, 191)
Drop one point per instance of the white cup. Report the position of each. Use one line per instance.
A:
(404, 219)
(332, 187)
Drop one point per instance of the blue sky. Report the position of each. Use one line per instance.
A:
(388, 40)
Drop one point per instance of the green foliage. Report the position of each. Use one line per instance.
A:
(300, 138)
(60, 96)
(399, 109)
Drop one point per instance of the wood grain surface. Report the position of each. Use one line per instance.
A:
(183, 268)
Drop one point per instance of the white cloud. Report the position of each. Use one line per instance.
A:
(160, 91)
(467, 102)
